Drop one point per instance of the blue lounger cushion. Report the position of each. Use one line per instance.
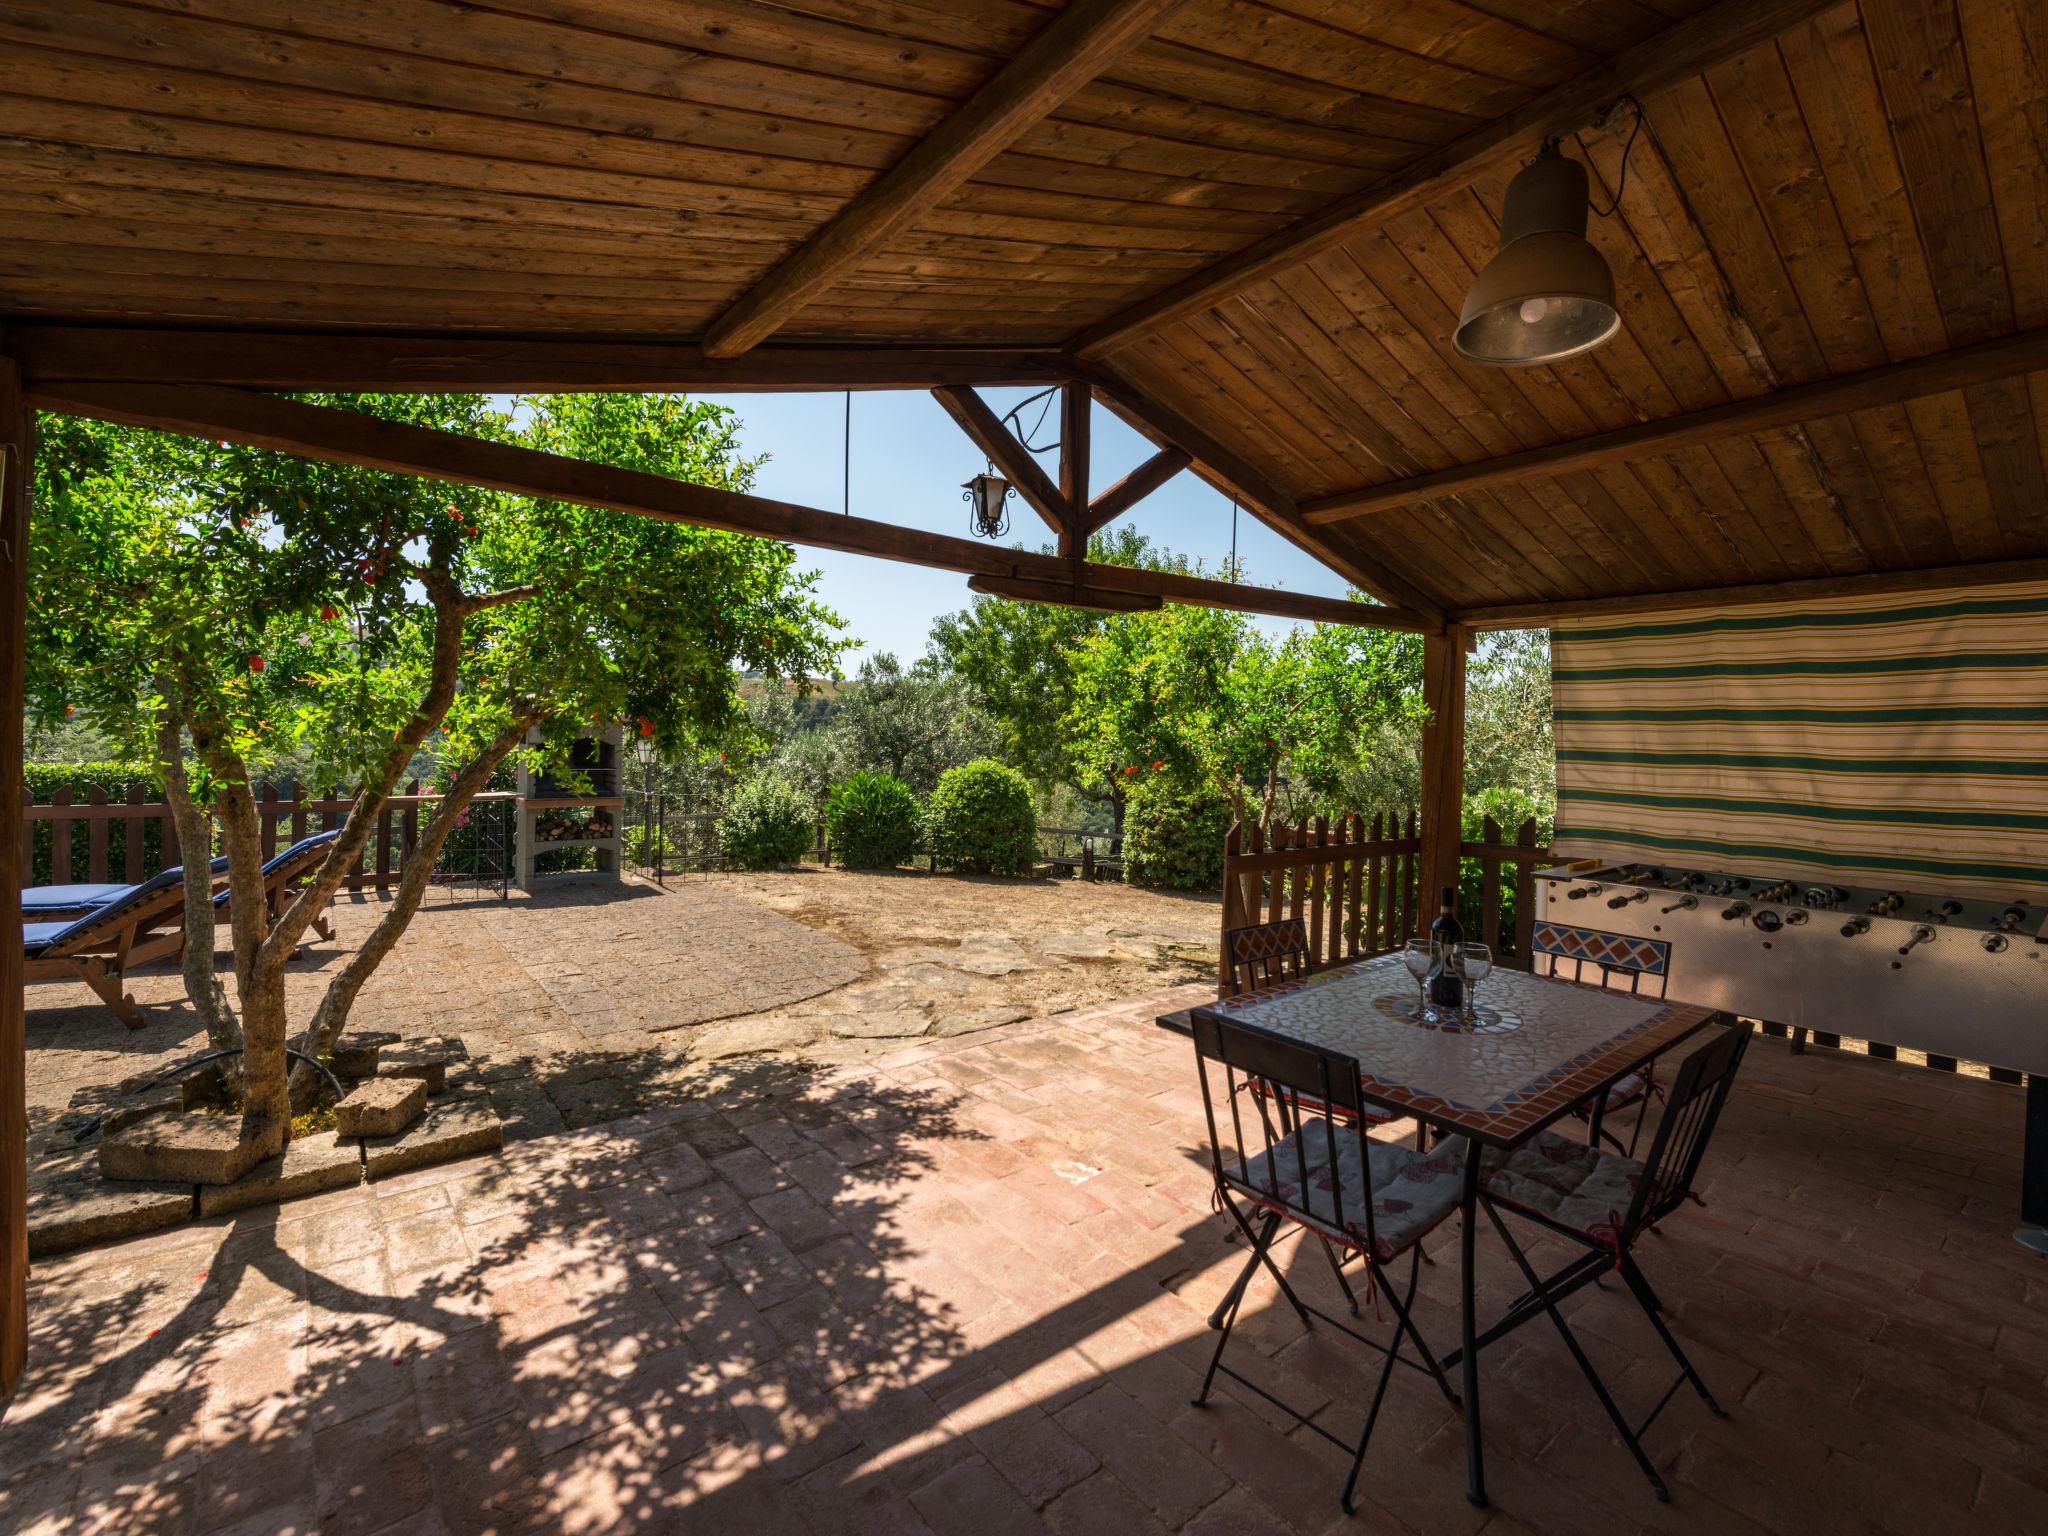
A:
(70, 898)
(38, 937)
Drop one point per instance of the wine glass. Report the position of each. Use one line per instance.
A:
(1417, 956)
(1475, 964)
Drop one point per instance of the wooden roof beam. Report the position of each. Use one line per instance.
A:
(1134, 488)
(352, 437)
(1070, 50)
(497, 364)
(1888, 384)
(972, 415)
(1677, 53)
(1152, 418)
(1865, 584)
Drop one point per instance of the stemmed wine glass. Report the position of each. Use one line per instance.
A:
(1417, 956)
(1475, 964)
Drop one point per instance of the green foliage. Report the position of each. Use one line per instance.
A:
(1173, 837)
(1019, 661)
(43, 780)
(1202, 696)
(767, 823)
(912, 724)
(1509, 808)
(873, 822)
(980, 819)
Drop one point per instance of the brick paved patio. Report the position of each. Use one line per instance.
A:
(962, 1290)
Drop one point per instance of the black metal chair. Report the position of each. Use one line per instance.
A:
(1643, 962)
(1265, 954)
(1603, 1201)
(1319, 1169)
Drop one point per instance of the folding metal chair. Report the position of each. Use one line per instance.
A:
(1318, 1168)
(1602, 1200)
(1644, 963)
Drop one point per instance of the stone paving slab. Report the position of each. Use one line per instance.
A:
(960, 1290)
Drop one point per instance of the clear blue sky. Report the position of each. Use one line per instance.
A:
(908, 462)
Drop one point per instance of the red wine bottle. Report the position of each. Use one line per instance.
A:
(1446, 984)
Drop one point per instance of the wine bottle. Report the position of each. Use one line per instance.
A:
(1446, 984)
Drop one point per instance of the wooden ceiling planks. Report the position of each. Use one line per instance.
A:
(1867, 188)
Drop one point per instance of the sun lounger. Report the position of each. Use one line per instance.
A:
(143, 925)
(42, 902)
(279, 874)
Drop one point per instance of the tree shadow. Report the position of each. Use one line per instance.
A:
(434, 1339)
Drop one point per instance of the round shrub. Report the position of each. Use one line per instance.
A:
(980, 819)
(766, 823)
(873, 822)
(1174, 837)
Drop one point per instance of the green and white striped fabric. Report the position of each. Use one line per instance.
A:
(1891, 741)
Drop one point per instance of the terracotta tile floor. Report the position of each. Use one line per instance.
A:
(963, 1291)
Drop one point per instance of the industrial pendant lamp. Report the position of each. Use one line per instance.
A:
(1547, 295)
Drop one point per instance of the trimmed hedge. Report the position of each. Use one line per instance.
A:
(873, 822)
(1174, 838)
(43, 780)
(768, 822)
(980, 820)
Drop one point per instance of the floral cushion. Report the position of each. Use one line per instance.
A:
(1411, 1191)
(1576, 1186)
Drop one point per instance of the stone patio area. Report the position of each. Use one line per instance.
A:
(961, 1289)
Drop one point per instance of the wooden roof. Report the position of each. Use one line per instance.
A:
(1817, 191)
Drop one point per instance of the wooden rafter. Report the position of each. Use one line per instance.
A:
(1152, 418)
(1135, 487)
(1865, 584)
(1012, 458)
(1069, 51)
(1887, 384)
(1682, 50)
(1023, 590)
(490, 364)
(351, 437)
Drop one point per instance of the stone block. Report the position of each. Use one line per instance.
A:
(744, 1037)
(455, 1125)
(383, 1106)
(71, 1206)
(180, 1149)
(310, 1165)
(415, 1059)
(356, 1053)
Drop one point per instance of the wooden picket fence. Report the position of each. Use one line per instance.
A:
(285, 817)
(1354, 885)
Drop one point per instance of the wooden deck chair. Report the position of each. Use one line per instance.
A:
(280, 872)
(40, 903)
(97, 948)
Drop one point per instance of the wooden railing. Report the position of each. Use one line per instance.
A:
(1354, 885)
(285, 818)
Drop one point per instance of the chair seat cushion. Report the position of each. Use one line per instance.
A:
(1411, 1191)
(1565, 1182)
(70, 898)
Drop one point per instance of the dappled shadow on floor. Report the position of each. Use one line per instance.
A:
(963, 1290)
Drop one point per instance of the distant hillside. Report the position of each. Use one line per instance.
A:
(753, 686)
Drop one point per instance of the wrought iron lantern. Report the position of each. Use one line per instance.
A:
(988, 497)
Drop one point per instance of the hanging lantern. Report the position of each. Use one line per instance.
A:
(1548, 294)
(987, 497)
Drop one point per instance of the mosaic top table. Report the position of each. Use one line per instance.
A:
(1559, 1044)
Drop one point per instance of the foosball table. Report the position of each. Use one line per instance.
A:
(1958, 978)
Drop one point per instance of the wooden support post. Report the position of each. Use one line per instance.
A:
(1075, 400)
(1443, 762)
(17, 437)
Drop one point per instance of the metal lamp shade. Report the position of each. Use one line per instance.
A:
(1548, 294)
(986, 495)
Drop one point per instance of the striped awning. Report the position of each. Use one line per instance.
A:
(1891, 741)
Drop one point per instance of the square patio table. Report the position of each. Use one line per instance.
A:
(1555, 1045)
